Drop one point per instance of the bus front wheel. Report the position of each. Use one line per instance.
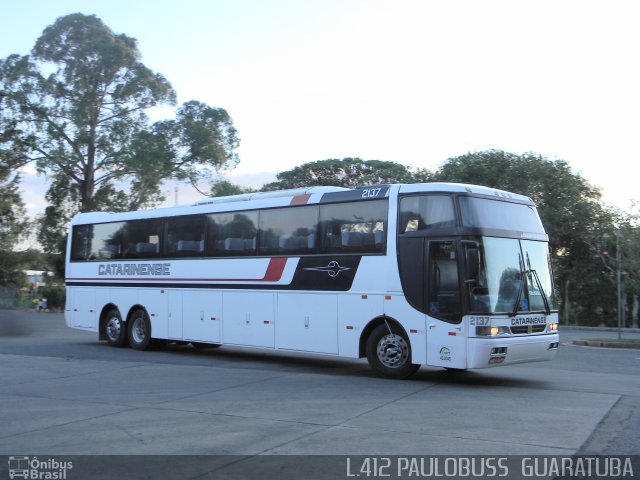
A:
(389, 352)
(140, 330)
(115, 329)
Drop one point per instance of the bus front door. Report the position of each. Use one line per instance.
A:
(446, 335)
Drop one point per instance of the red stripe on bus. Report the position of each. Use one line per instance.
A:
(300, 199)
(274, 270)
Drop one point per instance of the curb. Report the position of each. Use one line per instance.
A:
(607, 344)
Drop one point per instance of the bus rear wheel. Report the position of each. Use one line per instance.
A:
(389, 352)
(140, 331)
(115, 329)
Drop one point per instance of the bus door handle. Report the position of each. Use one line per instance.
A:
(432, 326)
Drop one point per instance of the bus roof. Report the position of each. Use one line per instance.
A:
(273, 194)
(462, 188)
(282, 198)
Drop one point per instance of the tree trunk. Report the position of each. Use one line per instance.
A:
(635, 310)
(88, 186)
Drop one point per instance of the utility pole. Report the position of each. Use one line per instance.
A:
(619, 284)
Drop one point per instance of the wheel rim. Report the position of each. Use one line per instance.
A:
(138, 330)
(393, 351)
(114, 327)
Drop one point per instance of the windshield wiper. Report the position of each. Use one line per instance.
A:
(534, 274)
(523, 274)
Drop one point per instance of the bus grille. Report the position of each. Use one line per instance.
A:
(528, 329)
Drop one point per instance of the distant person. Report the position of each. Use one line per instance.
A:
(42, 305)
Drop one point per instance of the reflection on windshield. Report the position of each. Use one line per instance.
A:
(514, 277)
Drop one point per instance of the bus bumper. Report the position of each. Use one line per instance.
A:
(494, 352)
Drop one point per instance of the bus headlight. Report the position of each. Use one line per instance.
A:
(552, 327)
(491, 331)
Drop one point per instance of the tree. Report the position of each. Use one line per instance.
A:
(224, 188)
(627, 239)
(13, 229)
(348, 172)
(572, 213)
(86, 122)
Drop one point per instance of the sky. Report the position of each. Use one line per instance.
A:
(414, 82)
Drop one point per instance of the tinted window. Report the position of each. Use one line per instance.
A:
(81, 242)
(286, 231)
(358, 227)
(426, 212)
(442, 284)
(103, 241)
(185, 236)
(143, 238)
(486, 213)
(232, 234)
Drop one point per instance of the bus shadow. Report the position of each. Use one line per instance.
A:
(298, 362)
(480, 378)
(307, 363)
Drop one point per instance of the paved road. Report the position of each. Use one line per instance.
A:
(64, 393)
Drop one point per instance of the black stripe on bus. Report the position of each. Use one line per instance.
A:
(312, 274)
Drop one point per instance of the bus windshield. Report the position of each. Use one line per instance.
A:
(514, 277)
(498, 214)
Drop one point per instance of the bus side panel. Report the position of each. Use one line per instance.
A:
(248, 318)
(354, 313)
(82, 309)
(174, 306)
(125, 299)
(201, 315)
(103, 297)
(413, 322)
(307, 322)
(70, 293)
(154, 301)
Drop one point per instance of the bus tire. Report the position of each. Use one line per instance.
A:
(115, 329)
(140, 331)
(389, 352)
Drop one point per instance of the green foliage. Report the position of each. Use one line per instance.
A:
(13, 223)
(13, 229)
(224, 188)
(55, 295)
(348, 172)
(75, 109)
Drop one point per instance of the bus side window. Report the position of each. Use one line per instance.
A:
(144, 238)
(426, 212)
(442, 284)
(185, 236)
(107, 241)
(232, 234)
(356, 227)
(288, 231)
(81, 242)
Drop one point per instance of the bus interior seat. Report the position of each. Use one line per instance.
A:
(145, 247)
(190, 246)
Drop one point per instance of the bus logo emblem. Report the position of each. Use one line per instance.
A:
(333, 269)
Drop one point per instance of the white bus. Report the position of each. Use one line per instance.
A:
(446, 275)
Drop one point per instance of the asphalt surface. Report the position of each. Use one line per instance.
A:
(64, 393)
